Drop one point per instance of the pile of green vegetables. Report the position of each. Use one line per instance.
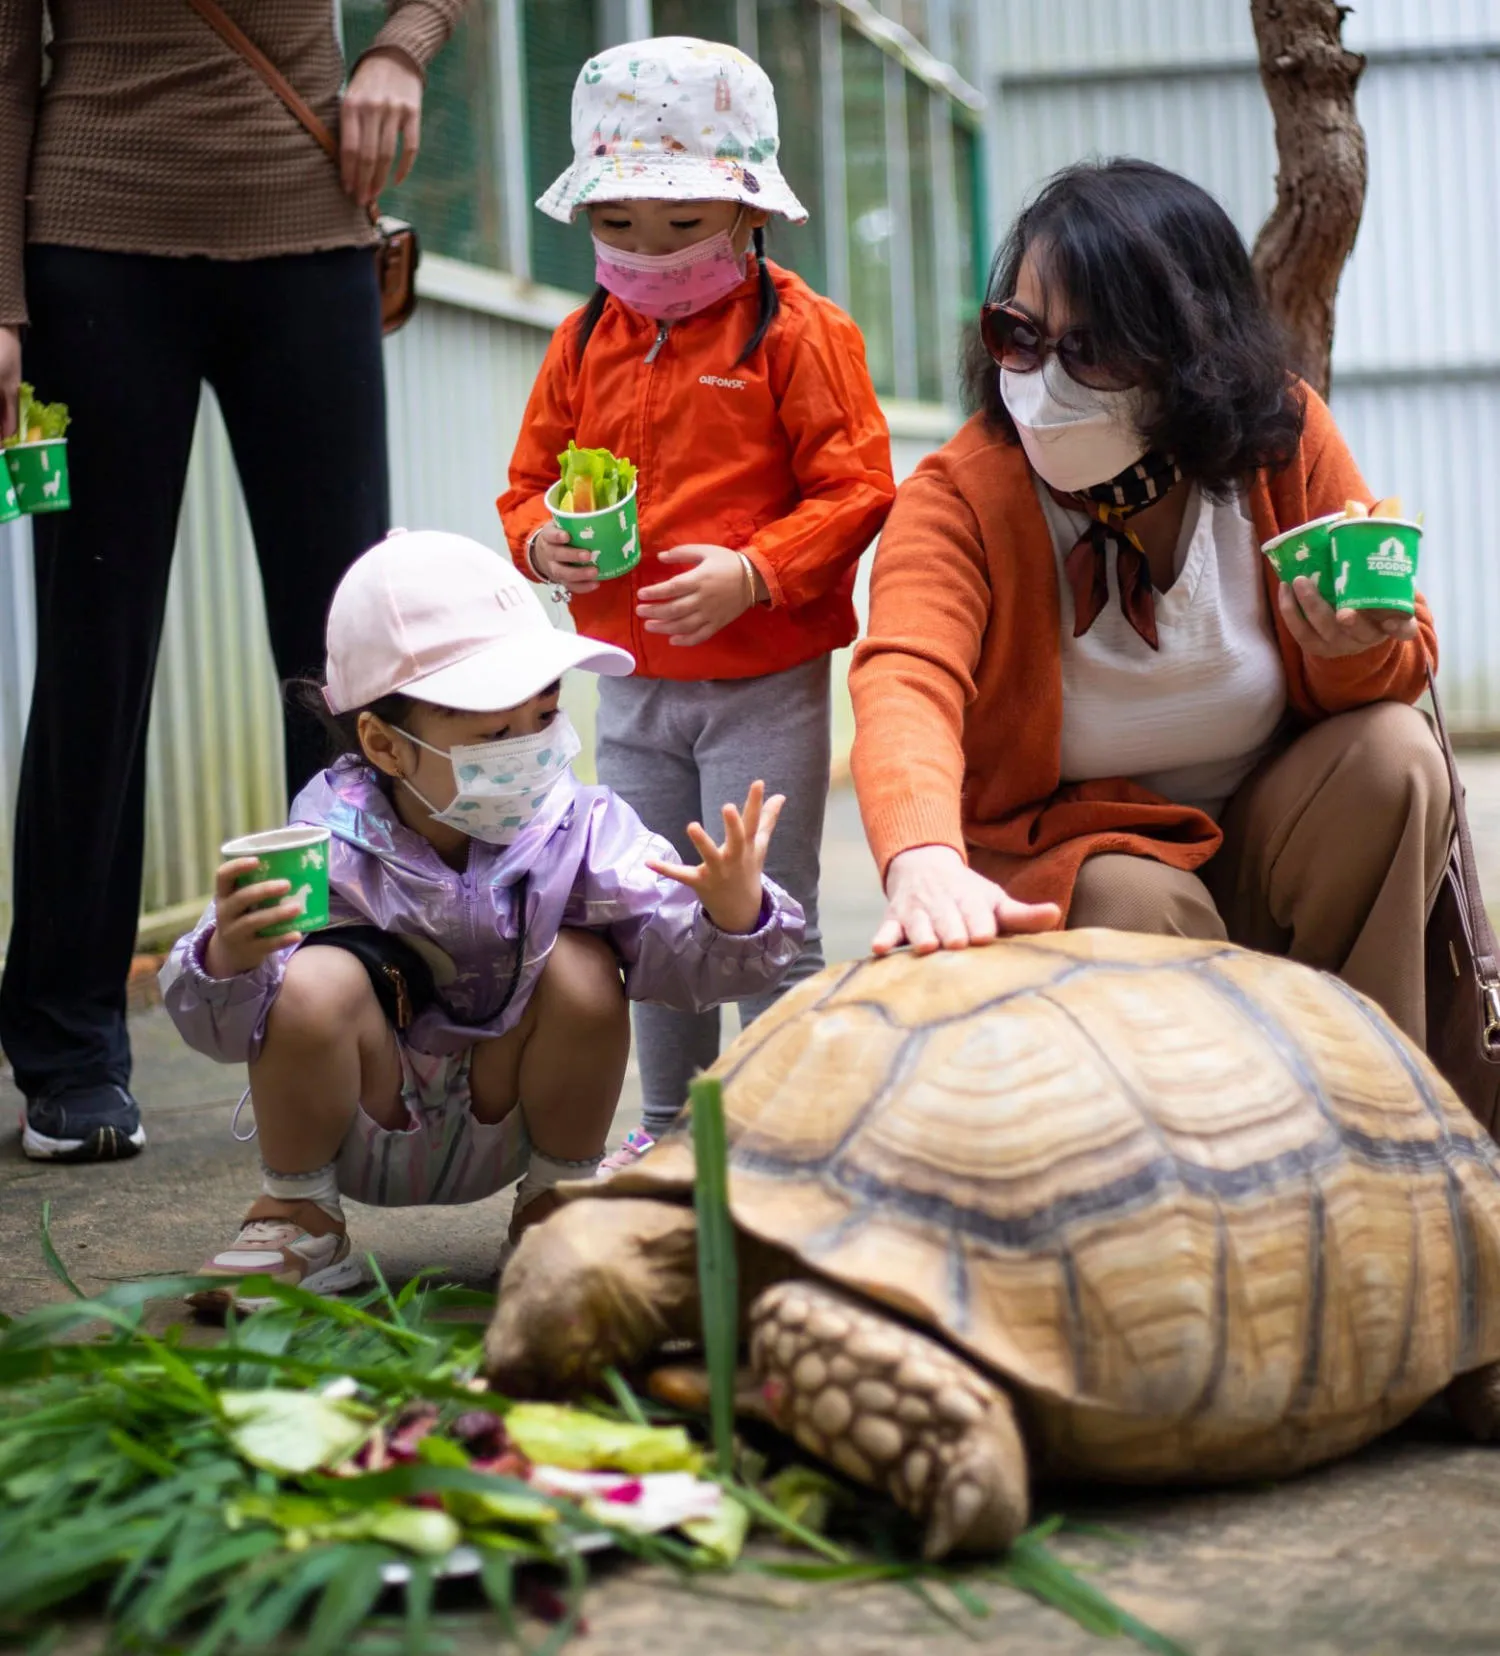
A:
(38, 422)
(269, 1486)
(592, 479)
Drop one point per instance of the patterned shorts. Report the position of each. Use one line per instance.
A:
(442, 1154)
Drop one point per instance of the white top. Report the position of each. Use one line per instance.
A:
(1191, 720)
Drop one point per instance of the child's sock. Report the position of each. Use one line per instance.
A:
(320, 1186)
(546, 1171)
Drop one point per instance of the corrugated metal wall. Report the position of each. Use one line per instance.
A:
(1417, 353)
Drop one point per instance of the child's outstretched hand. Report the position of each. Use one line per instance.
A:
(710, 593)
(728, 880)
(234, 946)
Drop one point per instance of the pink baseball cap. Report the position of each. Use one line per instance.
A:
(445, 620)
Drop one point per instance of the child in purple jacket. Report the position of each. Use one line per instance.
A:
(463, 846)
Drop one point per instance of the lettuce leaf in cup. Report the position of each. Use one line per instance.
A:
(38, 421)
(592, 479)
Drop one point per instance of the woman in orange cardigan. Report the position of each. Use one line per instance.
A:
(1083, 697)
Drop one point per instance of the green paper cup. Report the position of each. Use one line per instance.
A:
(298, 855)
(610, 533)
(1306, 550)
(39, 472)
(10, 507)
(1375, 564)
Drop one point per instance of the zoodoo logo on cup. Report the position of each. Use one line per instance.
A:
(1375, 560)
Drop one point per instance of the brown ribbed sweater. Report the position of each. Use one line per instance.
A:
(153, 136)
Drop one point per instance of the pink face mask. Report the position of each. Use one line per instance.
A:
(669, 286)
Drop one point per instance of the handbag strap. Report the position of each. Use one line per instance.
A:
(218, 19)
(214, 15)
(1486, 950)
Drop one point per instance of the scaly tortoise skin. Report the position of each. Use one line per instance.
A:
(1088, 1203)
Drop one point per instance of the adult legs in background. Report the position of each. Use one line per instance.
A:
(1137, 894)
(297, 368)
(777, 729)
(1334, 849)
(117, 337)
(647, 732)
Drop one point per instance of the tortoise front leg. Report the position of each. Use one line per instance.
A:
(895, 1410)
(1474, 1399)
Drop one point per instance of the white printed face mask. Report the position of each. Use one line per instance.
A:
(501, 785)
(1073, 435)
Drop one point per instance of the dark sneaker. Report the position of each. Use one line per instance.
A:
(83, 1124)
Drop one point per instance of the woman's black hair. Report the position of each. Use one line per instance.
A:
(770, 305)
(1151, 264)
(342, 729)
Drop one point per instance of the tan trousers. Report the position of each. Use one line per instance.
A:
(1333, 851)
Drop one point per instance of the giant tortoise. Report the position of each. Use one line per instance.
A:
(1088, 1203)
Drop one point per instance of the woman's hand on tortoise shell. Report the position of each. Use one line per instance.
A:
(935, 900)
(1320, 630)
(728, 881)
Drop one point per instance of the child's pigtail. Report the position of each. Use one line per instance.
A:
(588, 318)
(770, 300)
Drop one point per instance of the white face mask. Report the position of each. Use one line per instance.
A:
(1073, 435)
(502, 784)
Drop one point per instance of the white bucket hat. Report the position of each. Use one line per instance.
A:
(674, 119)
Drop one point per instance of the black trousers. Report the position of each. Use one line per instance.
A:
(291, 347)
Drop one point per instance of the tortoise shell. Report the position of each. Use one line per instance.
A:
(1208, 1212)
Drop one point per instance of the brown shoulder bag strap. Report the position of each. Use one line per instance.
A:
(218, 19)
(215, 16)
(1486, 950)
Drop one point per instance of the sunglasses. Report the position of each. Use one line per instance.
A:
(1015, 341)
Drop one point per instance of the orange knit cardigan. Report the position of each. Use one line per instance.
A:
(957, 687)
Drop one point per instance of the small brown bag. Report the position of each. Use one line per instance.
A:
(397, 253)
(1463, 966)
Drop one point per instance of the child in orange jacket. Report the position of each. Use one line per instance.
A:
(763, 471)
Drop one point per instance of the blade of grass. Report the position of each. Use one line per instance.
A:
(384, 1288)
(1035, 1569)
(419, 1585)
(348, 1599)
(572, 1562)
(629, 1404)
(53, 1258)
(718, 1273)
(773, 1517)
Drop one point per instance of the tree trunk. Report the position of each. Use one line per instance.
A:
(1321, 169)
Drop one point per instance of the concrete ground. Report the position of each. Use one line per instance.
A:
(1389, 1552)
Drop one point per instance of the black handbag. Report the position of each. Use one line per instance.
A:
(401, 978)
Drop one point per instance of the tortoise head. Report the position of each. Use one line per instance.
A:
(595, 1284)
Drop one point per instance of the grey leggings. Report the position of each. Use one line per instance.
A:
(678, 752)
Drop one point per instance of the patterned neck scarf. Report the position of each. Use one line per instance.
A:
(1110, 505)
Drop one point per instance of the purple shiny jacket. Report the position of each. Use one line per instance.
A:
(581, 862)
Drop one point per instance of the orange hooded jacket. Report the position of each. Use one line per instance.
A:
(786, 458)
(957, 687)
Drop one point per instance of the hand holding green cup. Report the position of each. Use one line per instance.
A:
(298, 855)
(34, 477)
(1361, 560)
(593, 503)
